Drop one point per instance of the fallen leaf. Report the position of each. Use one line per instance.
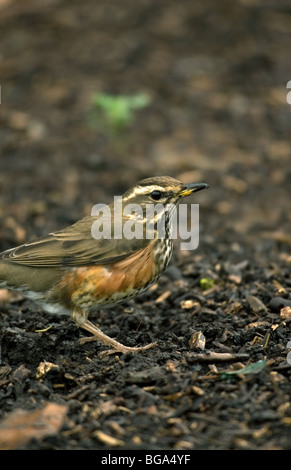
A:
(250, 369)
(21, 426)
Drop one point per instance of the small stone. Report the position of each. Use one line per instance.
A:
(174, 273)
(256, 304)
(277, 303)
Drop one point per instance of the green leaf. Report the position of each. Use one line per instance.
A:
(118, 110)
(206, 283)
(250, 369)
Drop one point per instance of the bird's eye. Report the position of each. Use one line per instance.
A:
(156, 195)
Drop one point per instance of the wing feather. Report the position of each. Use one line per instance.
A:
(73, 246)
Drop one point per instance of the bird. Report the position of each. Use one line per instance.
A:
(76, 270)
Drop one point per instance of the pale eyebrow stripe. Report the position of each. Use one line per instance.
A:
(144, 190)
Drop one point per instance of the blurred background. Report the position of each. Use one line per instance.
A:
(96, 95)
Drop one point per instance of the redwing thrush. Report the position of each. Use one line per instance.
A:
(71, 271)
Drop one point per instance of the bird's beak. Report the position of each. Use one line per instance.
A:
(192, 188)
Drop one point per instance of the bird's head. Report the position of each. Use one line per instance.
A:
(160, 189)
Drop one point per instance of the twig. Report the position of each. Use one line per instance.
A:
(216, 357)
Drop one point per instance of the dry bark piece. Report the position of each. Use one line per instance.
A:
(108, 440)
(216, 357)
(43, 368)
(197, 340)
(285, 313)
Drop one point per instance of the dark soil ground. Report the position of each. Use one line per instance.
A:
(217, 76)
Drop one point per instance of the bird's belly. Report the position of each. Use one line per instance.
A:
(93, 286)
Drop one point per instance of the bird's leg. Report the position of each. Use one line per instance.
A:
(81, 320)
